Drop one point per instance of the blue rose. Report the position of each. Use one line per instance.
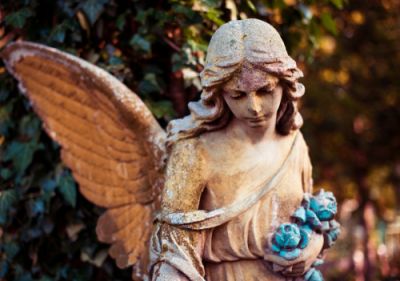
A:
(324, 205)
(286, 241)
(313, 275)
(331, 234)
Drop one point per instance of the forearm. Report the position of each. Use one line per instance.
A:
(177, 254)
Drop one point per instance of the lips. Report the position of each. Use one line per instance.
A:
(257, 119)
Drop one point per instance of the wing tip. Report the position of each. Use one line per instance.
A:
(15, 51)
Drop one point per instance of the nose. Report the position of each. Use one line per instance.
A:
(253, 104)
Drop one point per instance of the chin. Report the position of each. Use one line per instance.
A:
(257, 125)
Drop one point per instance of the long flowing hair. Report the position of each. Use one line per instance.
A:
(233, 44)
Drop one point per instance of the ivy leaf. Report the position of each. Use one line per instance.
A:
(21, 154)
(67, 188)
(337, 3)
(121, 21)
(58, 33)
(11, 250)
(161, 109)
(149, 84)
(93, 9)
(5, 173)
(7, 199)
(29, 126)
(329, 23)
(18, 18)
(140, 43)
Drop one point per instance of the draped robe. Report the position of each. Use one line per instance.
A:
(235, 249)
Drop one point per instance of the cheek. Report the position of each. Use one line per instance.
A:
(237, 107)
(272, 102)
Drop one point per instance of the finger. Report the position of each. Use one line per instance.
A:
(277, 267)
(295, 270)
(299, 265)
(299, 268)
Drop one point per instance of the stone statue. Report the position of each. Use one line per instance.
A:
(224, 194)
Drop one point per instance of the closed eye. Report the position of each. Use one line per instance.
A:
(265, 90)
(237, 95)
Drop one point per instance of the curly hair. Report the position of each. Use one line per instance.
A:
(233, 44)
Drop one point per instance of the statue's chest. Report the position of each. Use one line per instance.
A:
(230, 183)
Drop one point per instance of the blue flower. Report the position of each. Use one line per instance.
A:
(324, 205)
(286, 240)
(313, 275)
(332, 233)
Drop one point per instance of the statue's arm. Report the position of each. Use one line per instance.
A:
(179, 251)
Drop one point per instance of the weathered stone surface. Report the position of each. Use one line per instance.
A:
(232, 200)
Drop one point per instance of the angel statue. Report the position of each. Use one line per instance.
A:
(223, 194)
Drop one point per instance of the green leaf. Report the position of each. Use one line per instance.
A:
(67, 188)
(329, 23)
(93, 9)
(121, 21)
(29, 126)
(21, 154)
(58, 33)
(337, 3)
(5, 173)
(140, 43)
(11, 250)
(18, 18)
(161, 108)
(149, 84)
(7, 199)
(211, 3)
(197, 46)
(251, 5)
(215, 16)
(143, 15)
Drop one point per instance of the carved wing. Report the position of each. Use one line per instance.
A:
(109, 139)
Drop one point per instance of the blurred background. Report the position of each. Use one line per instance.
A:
(349, 52)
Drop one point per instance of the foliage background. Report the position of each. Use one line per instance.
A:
(349, 52)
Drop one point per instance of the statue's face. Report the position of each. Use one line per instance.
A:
(253, 96)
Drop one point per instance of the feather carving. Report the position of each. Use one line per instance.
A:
(110, 140)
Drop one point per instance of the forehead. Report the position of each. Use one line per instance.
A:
(249, 78)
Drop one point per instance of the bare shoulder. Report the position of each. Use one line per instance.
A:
(189, 152)
(185, 177)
